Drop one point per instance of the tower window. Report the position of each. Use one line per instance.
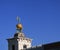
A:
(13, 47)
(24, 46)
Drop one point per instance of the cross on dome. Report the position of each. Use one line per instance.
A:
(19, 25)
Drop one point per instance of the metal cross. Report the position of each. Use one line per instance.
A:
(18, 19)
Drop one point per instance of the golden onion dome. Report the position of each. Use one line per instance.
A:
(19, 26)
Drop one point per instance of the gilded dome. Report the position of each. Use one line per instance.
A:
(19, 26)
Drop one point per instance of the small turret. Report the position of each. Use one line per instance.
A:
(19, 41)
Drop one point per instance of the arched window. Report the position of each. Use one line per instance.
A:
(25, 46)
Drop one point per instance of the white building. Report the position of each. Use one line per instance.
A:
(19, 41)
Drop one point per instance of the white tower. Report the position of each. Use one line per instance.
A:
(19, 41)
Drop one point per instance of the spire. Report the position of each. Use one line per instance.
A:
(19, 25)
(19, 29)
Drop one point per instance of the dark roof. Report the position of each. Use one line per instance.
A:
(52, 45)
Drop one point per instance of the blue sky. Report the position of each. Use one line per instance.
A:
(40, 20)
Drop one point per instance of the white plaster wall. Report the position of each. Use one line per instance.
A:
(23, 42)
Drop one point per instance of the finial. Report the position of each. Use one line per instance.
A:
(18, 19)
(19, 25)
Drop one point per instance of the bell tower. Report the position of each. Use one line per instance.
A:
(19, 41)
